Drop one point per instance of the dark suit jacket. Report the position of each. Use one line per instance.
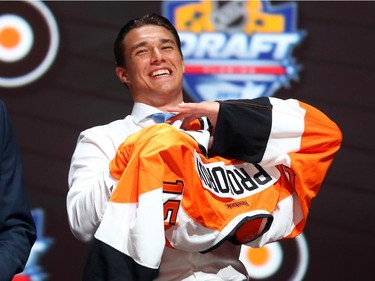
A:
(17, 227)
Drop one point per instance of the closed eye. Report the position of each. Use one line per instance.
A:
(140, 52)
(167, 47)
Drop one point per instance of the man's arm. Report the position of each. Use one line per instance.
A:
(90, 183)
(17, 227)
(262, 130)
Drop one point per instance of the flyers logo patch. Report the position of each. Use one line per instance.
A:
(235, 49)
(287, 260)
(29, 40)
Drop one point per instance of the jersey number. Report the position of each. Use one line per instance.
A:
(171, 206)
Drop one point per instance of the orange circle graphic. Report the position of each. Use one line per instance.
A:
(258, 256)
(9, 37)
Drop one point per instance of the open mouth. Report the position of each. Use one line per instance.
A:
(160, 72)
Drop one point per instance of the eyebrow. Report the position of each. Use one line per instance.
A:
(143, 43)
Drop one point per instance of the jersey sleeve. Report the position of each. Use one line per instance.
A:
(242, 130)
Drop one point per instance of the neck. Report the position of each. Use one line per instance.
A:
(161, 104)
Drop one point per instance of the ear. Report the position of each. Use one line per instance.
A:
(122, 74)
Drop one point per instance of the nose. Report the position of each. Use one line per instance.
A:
(157, 56)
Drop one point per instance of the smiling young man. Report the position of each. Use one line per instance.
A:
(150, 63)
(281, 147)
(152, 66)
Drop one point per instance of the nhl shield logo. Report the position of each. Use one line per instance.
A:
(235, 49)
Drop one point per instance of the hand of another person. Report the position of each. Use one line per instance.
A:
(187, 112)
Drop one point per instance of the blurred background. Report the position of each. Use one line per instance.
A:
(62, 81)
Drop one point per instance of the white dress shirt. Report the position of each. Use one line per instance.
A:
(91, 185)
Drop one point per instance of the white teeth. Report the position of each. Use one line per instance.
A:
(160, 72)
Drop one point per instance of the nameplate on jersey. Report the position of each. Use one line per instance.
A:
(234, 180)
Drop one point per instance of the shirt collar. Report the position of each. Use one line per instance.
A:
(141, 111)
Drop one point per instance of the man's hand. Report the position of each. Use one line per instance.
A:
(187, 112)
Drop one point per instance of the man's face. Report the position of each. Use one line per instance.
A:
(154, 66)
